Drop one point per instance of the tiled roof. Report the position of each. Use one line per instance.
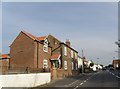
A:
(5, 56)
(30, 35)
(55, 56)
(41, 38)
(69, 46)
(34, 37)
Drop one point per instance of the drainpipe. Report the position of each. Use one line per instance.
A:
(37, 53)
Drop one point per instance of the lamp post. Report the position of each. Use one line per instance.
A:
(118, 44)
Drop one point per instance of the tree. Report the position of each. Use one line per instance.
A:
(91, 64)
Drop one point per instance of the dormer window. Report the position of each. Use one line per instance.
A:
(55, 42)
(45, 47)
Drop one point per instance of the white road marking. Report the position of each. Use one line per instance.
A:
(117, 76)
(72, 83)
(81, 83)
(76, 87)
(84, 81)
(114, 74)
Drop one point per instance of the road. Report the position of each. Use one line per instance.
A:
(97, 79)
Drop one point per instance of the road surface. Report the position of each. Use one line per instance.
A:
(97, 79)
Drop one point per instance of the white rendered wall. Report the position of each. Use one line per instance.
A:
(24, 80)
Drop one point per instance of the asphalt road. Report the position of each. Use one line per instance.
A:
(96, 79)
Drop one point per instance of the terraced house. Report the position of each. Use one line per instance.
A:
(43, 54)
(63, 58)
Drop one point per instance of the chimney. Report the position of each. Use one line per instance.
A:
(67, 42)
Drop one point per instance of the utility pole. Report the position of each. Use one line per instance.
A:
(82, 53)
(83, 58)
(118, 43)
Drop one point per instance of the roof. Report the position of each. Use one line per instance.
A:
(53, 37)
(41, 38)
(5, 56)
(69, 46)
(30, 35)
(34, 37)
(55, 56)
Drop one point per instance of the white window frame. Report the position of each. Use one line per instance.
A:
(55, 43)
(45, 62)
(72, 66)
(45, 46)
(76, 56)
(76, 66)
(65, 65)
(72, 54)
(65, 51)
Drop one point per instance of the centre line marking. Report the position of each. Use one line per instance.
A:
(76, 86)
(81, 83)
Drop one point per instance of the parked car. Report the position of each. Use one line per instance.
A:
(103, 68)
(111, 68)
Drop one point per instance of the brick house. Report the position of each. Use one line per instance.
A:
(4, 63)
(28, 51)
(64, 58)
(47, 52)
(116, 64)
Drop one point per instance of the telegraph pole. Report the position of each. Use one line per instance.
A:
(118, 43)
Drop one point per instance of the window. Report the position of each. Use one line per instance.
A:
(55, 42)
(72, 66)
(65, 65)
(45, 63)
(65, 51)
(76, 55)
(45, 47)
(76, 66)
(56, 63)
(72, 53)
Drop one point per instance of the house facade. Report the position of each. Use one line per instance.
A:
(4, 63)
(116, 64)
(28, 51)
(63, 58)
(80, 65)
(43, 54)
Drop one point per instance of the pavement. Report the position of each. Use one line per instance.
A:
(106, 79)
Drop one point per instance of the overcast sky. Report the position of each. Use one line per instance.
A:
(89, 26)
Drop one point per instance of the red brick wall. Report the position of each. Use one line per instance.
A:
(43, 55)
(21, 51)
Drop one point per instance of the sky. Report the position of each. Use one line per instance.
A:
(0, 27)
(91, 26)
